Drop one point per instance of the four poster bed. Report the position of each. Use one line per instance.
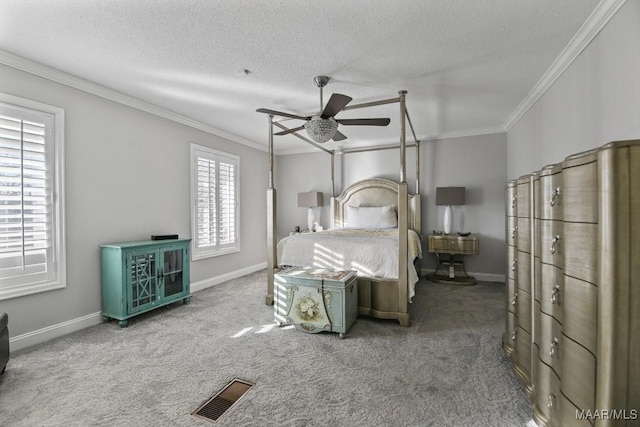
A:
(375, 231)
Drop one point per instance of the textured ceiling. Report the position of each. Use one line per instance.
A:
(466, 64)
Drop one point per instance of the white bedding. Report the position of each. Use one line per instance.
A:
(372, 253)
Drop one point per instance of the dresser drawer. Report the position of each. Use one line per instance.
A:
(523, 271)
(511, 231)
(510, 198)
(550, 337)
(523, 241)
(581, 251)
(523, 310)
(511, 262)
(568, 414)
(551, 290)
(550, 201)
(512, 298)
(523, 355)
(523, 192)
(547, 397)
(580, 183)
(578, 374)
(550, 246)
(580, 312)
(509, 337)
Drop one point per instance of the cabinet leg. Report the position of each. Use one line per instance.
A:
(341, 335)
(187, 300)
(123, 323)
(106, 319)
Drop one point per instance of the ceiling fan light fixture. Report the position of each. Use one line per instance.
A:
(321, 130)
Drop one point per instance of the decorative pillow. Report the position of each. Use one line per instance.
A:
(371, 217)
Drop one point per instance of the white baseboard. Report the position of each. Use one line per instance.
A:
(207, 283)
(55, 331)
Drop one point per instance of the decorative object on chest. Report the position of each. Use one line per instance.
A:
(315, 299)
(450, 251)
(140, 276)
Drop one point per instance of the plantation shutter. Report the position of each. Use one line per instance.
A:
(227, 198)
(216, 227)
(26, 247)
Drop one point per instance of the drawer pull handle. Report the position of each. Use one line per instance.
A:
(552, 398)
(514, 265)
(514, 299)
(555, 294)
(514, 199)
(554, 195)
(514, 232)
(554, 345)
(554, 243)
(513, 335)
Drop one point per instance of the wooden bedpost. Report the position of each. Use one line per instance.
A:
(271, 221)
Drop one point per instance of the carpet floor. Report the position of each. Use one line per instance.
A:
(447, 369)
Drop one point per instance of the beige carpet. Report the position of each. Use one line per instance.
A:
(447, 369)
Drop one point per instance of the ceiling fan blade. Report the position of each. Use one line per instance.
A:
(288, 131)
(338, 136)
(280, 113)
(364, 122)
(336, 103)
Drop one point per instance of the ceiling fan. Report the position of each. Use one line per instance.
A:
(323, 127)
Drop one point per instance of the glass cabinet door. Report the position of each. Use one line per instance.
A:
(172, 273)
(142, 279)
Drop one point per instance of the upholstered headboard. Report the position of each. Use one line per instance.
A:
(374, 192)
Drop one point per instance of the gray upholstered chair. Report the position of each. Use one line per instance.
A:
(4, 341)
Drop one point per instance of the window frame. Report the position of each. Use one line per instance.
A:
(54, 147)
(197, 151)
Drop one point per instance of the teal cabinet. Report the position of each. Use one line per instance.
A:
(140, 276)
(315, 299)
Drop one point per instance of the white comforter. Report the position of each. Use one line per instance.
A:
(372, 253)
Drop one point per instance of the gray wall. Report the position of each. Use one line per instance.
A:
(595, 101)
(477, 163)
(127, 177)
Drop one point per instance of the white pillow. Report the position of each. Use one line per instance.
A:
(371, 217)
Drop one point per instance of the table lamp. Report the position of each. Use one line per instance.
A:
(311, 199)
(449, 196)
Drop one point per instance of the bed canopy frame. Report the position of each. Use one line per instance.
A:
(408, 207)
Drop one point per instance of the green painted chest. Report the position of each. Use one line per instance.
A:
(315, 300)
(140, 276)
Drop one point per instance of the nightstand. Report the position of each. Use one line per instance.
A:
(450, 250)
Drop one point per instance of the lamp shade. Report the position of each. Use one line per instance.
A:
(449, 196)
(310, 199)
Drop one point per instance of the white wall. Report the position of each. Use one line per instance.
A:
(595, 101)
(127, 177)
(477, 163)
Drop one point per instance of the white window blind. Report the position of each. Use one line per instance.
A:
(214, 202)
(30, 242)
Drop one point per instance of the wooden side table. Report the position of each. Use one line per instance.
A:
(450, 250)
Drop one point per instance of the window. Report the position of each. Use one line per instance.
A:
(32, 247)
(214, 197)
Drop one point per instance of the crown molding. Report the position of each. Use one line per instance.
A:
(600, 16)
(76, 82)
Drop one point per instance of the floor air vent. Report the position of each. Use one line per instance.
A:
(215, 407)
